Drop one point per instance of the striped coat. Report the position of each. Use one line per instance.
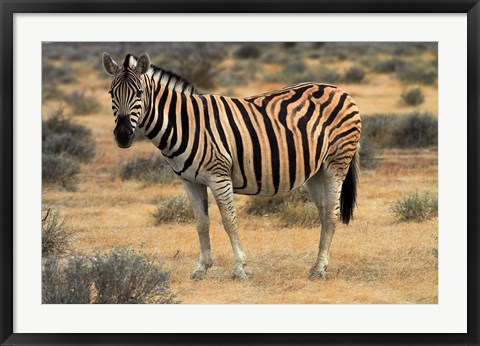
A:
(259, 145)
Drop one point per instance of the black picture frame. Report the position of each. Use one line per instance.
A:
(10, 7)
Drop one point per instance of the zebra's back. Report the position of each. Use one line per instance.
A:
(278, 140)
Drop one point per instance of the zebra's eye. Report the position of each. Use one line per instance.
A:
(139, 93)
(110, 92)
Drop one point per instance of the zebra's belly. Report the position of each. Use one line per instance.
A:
(264, 187)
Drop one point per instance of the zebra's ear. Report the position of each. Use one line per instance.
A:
(143, 64)
(109, 64)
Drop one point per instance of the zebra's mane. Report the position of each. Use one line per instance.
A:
(167, 78)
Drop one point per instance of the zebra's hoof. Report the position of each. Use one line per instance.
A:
(239, 274)
(316, 274)
(198, 274)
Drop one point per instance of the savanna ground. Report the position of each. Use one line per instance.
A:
(375, 259)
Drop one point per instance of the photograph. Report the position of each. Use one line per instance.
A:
(213, 172)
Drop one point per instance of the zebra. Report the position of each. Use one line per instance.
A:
(260, 145)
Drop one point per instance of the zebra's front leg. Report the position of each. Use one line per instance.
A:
(198, 196)
(223, 193)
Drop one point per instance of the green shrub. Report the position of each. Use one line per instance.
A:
(56, 238)
(413, 97)
(354, 75)
(415, 207)
(174, 210)
(60, 171)
(121, 276)
(62, 137)
(82, 104)
(152, 169)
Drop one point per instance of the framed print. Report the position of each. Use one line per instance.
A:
(239, 173)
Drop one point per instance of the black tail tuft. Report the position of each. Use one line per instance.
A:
(348, 196)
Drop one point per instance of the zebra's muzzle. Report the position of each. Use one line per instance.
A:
(123, 132)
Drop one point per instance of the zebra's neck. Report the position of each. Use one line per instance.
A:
(171, 81)
(159, 123)
(166, 118)
(163, 77)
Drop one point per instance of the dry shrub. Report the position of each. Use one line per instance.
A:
(151, 169)
(248, 51)
(60, 136)
(263, 206)
(354, 74)
(390, 65)
(51, 74)
(66, 281)
(301, 214)
(198, 62)
(64, 145)
(174, 210)
(83, 104)
(416, 130)
(417, 72)
(413, 97)
(413, 130)
(415, 207)
(291, 209)
(56, 238)
(368, 155)
(309, 74)
(60, 171)
(51, 92)
(121, 276)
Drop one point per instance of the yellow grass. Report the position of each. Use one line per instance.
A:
(373, 260)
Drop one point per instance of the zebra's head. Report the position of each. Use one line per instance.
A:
(127, 95)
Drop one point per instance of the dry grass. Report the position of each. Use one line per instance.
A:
(373, 260)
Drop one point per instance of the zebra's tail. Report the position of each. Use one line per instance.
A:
(348, 196)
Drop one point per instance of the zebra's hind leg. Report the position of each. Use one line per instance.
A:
(223, 193)
(198, 196)
(324, 189)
